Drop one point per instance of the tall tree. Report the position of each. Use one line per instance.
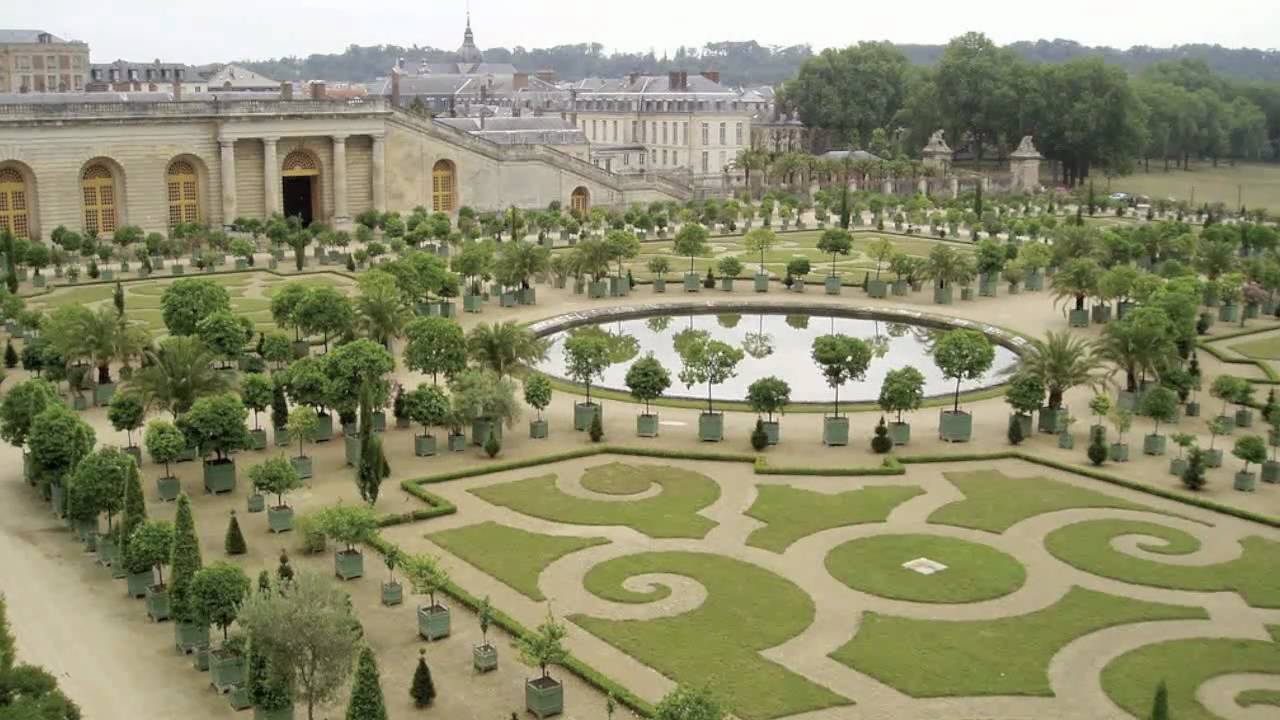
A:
(859, 88)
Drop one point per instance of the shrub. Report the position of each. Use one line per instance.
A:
(423, 690)
(493, 446)
(881, 443)
(1193, 477)
(597, 428)
(759, 438)
(233, 543)
(1097, 447)
(311, 534)
(1015, 431)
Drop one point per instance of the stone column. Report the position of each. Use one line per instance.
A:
(923, 186)
(379, 174)
(228, 173)
(270, 176)
(340, 215)
(955, 187)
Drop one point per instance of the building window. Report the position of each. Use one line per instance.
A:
(664, 133)
(99, 189)
(643, 156)
(722, 134)
(706, 161)
(14, 216)
(722, 159)
(184, 195)
(675, 157)
(654, 158)
(684, 133)
(653, 130)
(626, 158)
(615, 131)
(706, 133)
(664, 158)
(738, 134)
(580, 200)
(24, 62)
(634, 137)
(593, 130)
(444, 183)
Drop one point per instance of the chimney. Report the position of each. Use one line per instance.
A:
(684, 80)
(177, 88)
(546, 76)
(400, 63)
(395, 87)
(712, 75)
(632, 77)
(317, 90)
(286, 90)
(673, 80)
(520, 81)
(483, 115)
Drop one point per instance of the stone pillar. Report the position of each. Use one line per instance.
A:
(228, 173)
(270, 176)
(955, 187)
(379, 174)
(923, 187)
(886, 187)
(340, 215)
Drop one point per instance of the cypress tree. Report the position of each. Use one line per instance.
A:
(1160, 707)
(234, 541)
(184, 562)
(366, 701)
(133, 510)
(10, 355)
(118, 298)
(279, 406)
(423, 691)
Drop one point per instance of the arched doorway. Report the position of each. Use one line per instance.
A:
(580, 200)
(98, 186)
(183, 193)
(300, 180)
(444, 187)
(15, 216)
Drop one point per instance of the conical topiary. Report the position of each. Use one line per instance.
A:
(423, 691)
(597, 427)
(284, 571)
(133, 512)
(10, 355)
(184, 561)
(234, 543)
(366, 701)
(1160, 706)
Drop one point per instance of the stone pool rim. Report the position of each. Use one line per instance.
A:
(546, 327)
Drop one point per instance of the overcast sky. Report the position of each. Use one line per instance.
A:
(258, 29)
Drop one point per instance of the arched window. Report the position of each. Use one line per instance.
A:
(184, 195)
(444, 186)
(14, 217)
(99, 189)
(580, 200)
(300, 163)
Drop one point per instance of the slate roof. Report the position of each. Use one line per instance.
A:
(26, 36)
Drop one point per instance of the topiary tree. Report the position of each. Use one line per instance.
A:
(428, 406)
(1025, 394)
(126, 413)
(963, 355)
(422, 690)
(348, 524)
(1228, 388)
(164, 443)
(1097, 445)
(97, 486)
(184, 562)
(59, 440)
(226, 334)
(187, 301)
(233, 540)
(20, 407)
(256, 392)
(837, 241)
(1250, 449)
(366, 702)
(1161, 405)
(217, 592)
(545, 646)
(842, 358)
(537, 393)
(691, 242)
(436, 345)
(687, 703)
(586, 358)
(427, 577)
(216, 424)
(302, 426)
(708, 361)
(881, 443)
(647, 380)
(150, 546)
(769, 395)
(759, 242)
(276, 476)
(901, 391)
(1193, 477)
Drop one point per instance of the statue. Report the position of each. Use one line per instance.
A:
(1026, 147)
(937, 145)
(936, 137)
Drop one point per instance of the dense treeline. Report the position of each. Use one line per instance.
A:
(745, 63)
(1084, 113)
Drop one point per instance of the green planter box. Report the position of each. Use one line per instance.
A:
(281, 437)
(392, 593)
(772, 431)
(324, 431)
(647, 425)
(256, 503)
(597, 289)
(1119, 452)
(761, 282)
(966, 294)
(507, 299)
(538, 429)
(226, 671)
(711, 427)
(348, 564)
(448, 309)
(618, 287)
(188, 637)
(302, 465)
(1066, 441)
(351, 449)
(988, 285)
(433, 622)
(1177, 466)
(472, 303)
(528, 296)
(692, 283)
(280, 519)
(1154, 444)
(168, 488)
(835, 431)
(900, 433)
(481, 429)
(241, 264)
(1025, 422)
(457, 443)
(1271, 471)
(901, 287)
(544, 697)
(726, 284)
(484, 657)
(1245, 481)
(238, 698)
(1229, 313)
(220, 477)
(659, 285)
(258, 439)
(157, 603)
(1035, 280)
(584, 413)
(200, 659)
(797, 285)
(102, 393)
(943, 295)
(832, 284)
(1100, 314)
(1213, 458)
(877, 288)
(106, 550)
(137, 583)
(1050, 420)
(37, 281)
(955, 426)
(424, 445)
(1244, 418)
(107, 275)
(1251, 311)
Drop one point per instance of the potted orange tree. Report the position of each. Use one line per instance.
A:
(544, 695)
(427, 577)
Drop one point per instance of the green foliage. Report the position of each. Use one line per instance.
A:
(184, 562)
(545, 647)
(150, 545)
(366, 702)
(503, 347)
(302, 426)
(217, 592)
(348, 524)
(126, 412)
(216, 424)
(1097, 451)
(225, 333)
(686, 703)
(483, 395)
(1250, 449)
(514, 556)
(769, 395)
(256, 391)
(647, 380)
(1160, 705)
(1014, 433)
(164, 442)
(881, 443)
(21, 404)
(691, 242)
(422, 690)
(586, 358)
(1025, 393)
(428, 406)
(58, 440)
(436, 346)
(537, 392)
(97, 484)
(28, 692)
(233, 540)
(596, 431)
(901, 391)
(963, 355)
(759, 438)
(10, 355)
(275, 475)
(492, 445)
(373, 467)
(708, 361)
(187, 301)
(1161, 405)
(842, 358)
(176, 375)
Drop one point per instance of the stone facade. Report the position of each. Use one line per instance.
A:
(253, 158)
(37, 61)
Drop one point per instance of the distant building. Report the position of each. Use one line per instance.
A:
(125, 76)
(469, 52)
(38, 61)
(234, 77)
(527, 130)
(775, 131)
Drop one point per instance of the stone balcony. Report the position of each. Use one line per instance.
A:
(41, 111)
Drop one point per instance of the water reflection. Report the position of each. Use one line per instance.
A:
(775, 345)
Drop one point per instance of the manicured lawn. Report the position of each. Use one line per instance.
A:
(616, 479)
(974, 571)
(1258, 183)
(1264, 349)
(1008, 656)
(717, 645)
(75, 296)
(671, 513)
(792, 513)
(995, 502)
(1258, 697)
(1087, 546)
(1130, 680)
(516, 557)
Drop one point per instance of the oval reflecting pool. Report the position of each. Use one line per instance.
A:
(775, 344)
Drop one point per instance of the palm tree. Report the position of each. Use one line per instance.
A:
(381, 309)
(502, 346)
(1062, 361)
(176, 374)
(1076, 281)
